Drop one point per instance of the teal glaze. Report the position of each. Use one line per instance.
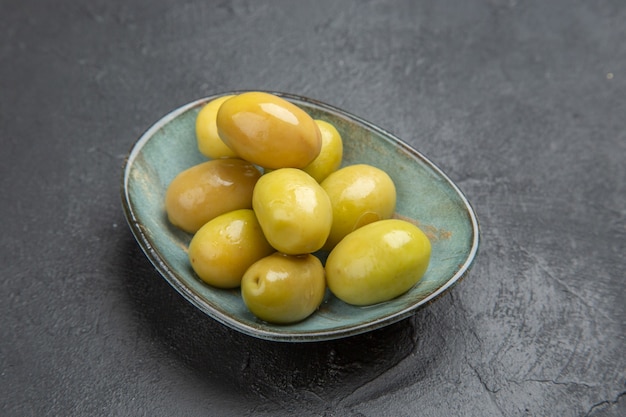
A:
(425, 195)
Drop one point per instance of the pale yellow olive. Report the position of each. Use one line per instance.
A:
(223, 249)
(284, 288)
(293, 210)
(359, 194)
(329, 159)
(209, 142)
(268, 130)
(378, 262)
(209, 189)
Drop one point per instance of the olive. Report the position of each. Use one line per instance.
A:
(223, 249)
(293, 210)
(284, 288)
(378, 262)
(331, 154)
(268, 130)
(359, 194)
(204, 191)
(209, 142)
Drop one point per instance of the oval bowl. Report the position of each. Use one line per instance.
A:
(425, 195)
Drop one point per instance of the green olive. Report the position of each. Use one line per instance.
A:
(268, 130)
(284, 288)
(378, 262)
(206, 190)
(293, 210)
(223, 249)
(359, 194)
(209, 142)
(329, 159)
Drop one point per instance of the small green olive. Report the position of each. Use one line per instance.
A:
(284, 288)
(293, 210)
(206, 190)
(359, 194)
(209, 142)
(378, 262)
(330, 157)
(223, 249)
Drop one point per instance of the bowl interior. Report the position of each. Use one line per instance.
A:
(425, 195)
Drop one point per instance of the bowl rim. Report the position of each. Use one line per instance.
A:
(169, 274)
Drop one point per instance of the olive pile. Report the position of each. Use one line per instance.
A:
(272, 194)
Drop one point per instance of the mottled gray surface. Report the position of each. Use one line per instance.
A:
(523, 103)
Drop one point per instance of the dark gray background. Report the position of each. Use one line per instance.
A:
(522, 103)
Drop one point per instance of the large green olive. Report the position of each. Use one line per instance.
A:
(359, 194)
(284, 288)
(378, 262)
(223, 249)
(268, 130)
(206, 190)
(293, 210)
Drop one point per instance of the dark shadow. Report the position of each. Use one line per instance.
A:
(325, 371)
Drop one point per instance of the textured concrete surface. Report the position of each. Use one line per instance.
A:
(522, 103)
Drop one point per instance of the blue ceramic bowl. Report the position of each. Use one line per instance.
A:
(425, 195)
